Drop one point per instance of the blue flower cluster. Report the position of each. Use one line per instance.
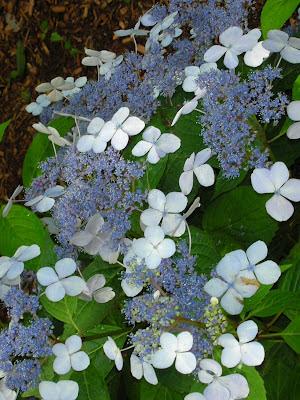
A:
(182, 305)
(93, 183)
(21, 345)
(140, 79)
(229, 105)
(18, 303)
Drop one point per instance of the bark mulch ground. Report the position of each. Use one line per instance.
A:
(42, 39)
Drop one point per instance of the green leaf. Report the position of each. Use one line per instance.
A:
(224, 185)
(41, 148)
(296, 89)
(281, 371)
(256, 383)
(276, 301)
(56, 37)
(290, 282)
(252, 302)
(153, 175)
(23, 227)
(240, 215)
(204, 248)
(21, 62)
(63, 310)
(292, 335)
(102, 329)
(3, 127)
(275, 13)
(92, 385)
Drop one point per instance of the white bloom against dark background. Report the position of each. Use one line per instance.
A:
(141, 369)
(113, 352)
(120, 127)
(230, 387)
(175, 348)
(276, 180)
(196, 164)
(153, 247)
(165, 209)
(69, 356)
(233, 43)
(62, 390)
(245, 350)
(59, 281)
(95, 290)
(279, 42)
(293, 112)
(157, 145)
(46, 201)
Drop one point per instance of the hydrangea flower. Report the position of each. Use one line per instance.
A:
(69, 356)
(232, 284)
(113, 352)
(12, 267)
(161, 32)
(133, 32)
(93, 241)
(196, 164)
(157, 145)
(93, 140)
(245, 350)
(233, 43)
(120, 127)
(153, 247)
(37, 106)
(293, 111)
(10, 201)
(59, 281)
(141, 369)
(192, 74)
(78, 85)
(54, 89)
(267, 272)
(131, 289)
(108, 68)
(188, 106)
(276, 180)
(97, 58)
(46, 201)
(165, 210)
(256, 56)
(175, 348)
(279, 42)
(62, 390)
(53, 134)
(5, 392)
(95, 290)
(230, 387)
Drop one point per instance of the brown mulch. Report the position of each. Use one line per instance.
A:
(35, 25)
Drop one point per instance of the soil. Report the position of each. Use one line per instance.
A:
(50, 36)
